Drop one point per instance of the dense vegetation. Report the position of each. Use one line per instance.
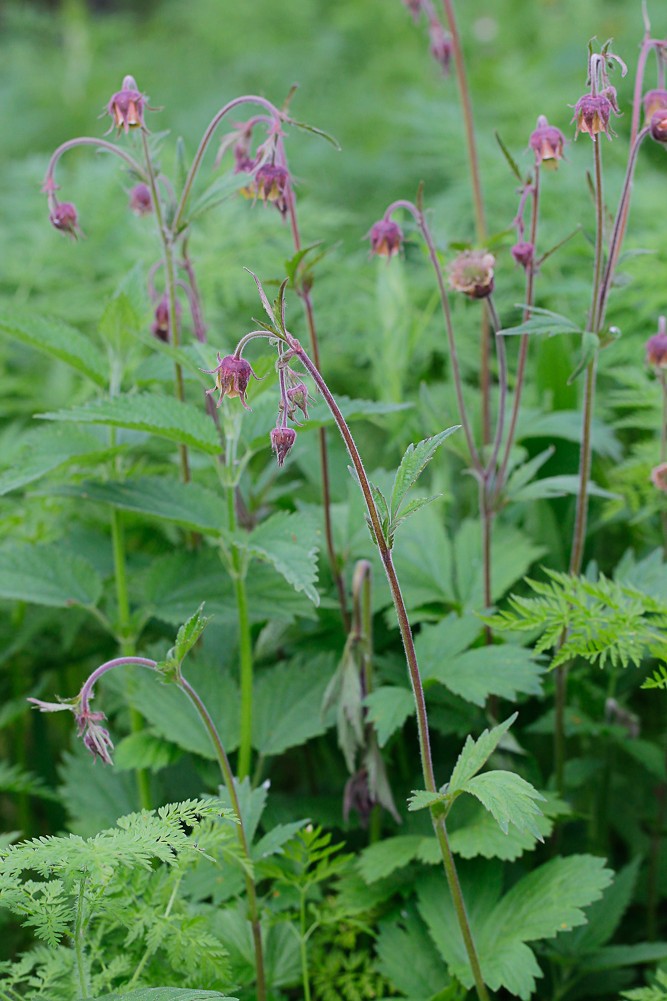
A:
(333, 501)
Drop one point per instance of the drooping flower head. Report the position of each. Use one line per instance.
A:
(591, 114)
(95, 737)
(386, 238)
(654, 100)
(593, 111)
(523, 253)
(282, 440)
(656, 346)
(64, 217)
(161, 327)
(272, 185)
(659, 125)
(547, 143)
(141, 202)
(441, 47)
(472, 273)
(232, 376)
(126, 106)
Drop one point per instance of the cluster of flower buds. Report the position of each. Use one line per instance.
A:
(386, 238)
(472, 273)
(547, 142)
(95, 737)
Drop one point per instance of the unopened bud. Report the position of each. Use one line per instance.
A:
(523, 253)
(282, 440)
(161, 327)
(656, 346)
(441, 45)
(141, 202)
(64, 218)
(659, 125)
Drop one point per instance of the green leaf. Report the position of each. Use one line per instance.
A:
(388, 708)
(421, 799)
(559, 486)
(509, 798)
(159, 415)
(422, 976)
(14, 779)
(48, 575)
(477, 834)
(290, 543)
(188, 635)
(475, 754)
(46, 449)
(144, 750)
(273, 840)
(542, 321)
(547, 901)
(163, 994)
(413, 463)
(187, 504)
(286, 709)
(590, 345)
(58, 340)
(383, 858)
(604, 916)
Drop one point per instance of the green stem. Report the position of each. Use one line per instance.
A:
(148, 952)
(78, 940)
(303, 947)
(228, 776)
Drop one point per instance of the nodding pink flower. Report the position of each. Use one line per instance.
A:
(126, 106)
(282, 440)
(64, 217)
(386, 238)
(95, 737)
(441, 45)
(547, 143)
(659, 125)
(232, 376)
(160, 327)
(591, 113)
(656, 346)
(654, 100)
(523, 253)
(141, 201)
(472, 273)
(272, 185)
(659, 477)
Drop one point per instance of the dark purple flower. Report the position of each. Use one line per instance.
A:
(386, 238)
(523, 253)
(64, 217)
(591, 113)
(141, 202)
(126, 106)
(659, 125)
(272, 185)
(547, 143)
(232, 376)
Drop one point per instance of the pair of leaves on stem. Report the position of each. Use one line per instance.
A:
(414, 462)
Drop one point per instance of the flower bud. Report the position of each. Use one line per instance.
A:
(232, 376)
(547, 143)
(654, 100)
(659, 125)
(386, 238)
(441, 45)
(472, 273)
(656, 347)
(126, 106)
(659, 477)
(591, 113)
(64, 218)
(282, 440)
(160, 327)
(297, 396)
(523, 253)
(141, 202)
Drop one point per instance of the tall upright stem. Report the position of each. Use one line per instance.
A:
(413, 667)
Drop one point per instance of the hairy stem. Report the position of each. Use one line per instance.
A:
(411, 658)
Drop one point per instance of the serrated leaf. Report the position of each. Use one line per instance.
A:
(49, 448)
(388, 708)
(604, 915)
(159, 415)
(421, 799)
(475, 754)
(423, 976)
(271, 843)
(48, 575)
(58, 340)
(187, 504)
(542, 321)
(383, 858)
(559, 486)
(290, 543)
(411, 508)
(144, 750)
(414, 461)
(287, 700)
(189, 633)
(509, 798)
(479, 834)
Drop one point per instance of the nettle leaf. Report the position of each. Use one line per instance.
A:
(287, 701)
(413, 463)
(46, 449)
(290, 542)
(48, 575)
(383, 858)
(420, 977)
(422, 799)
(549, 900)
(509, 798)
(58, 340)
(187, 504)
(475, 754)
(163, 994)
(473, 831)
(162, 416)
(388, 708)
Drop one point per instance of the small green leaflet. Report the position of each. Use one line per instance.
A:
(542, 321)
(413, 464)
(475, 754)
(290, 542)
